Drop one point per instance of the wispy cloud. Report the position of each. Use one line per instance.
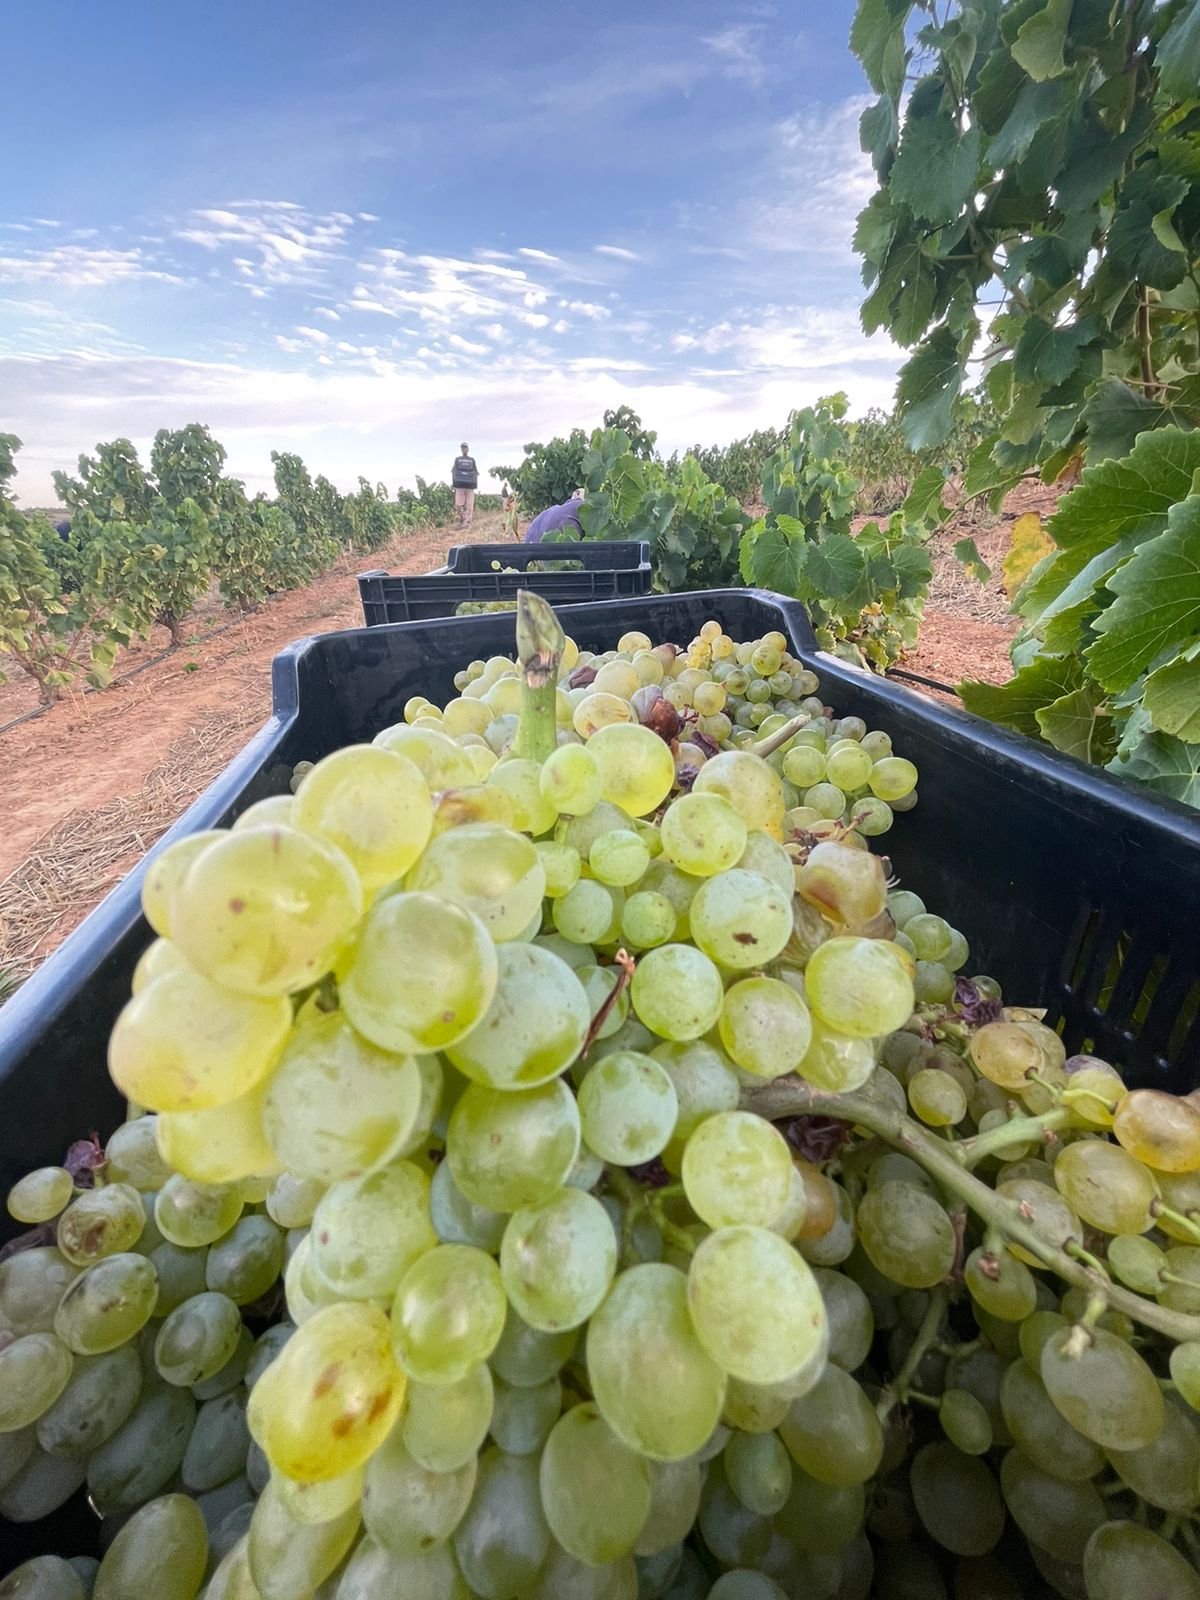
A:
(79, 267)
(539, 255)
(618, 252)
(277, 240)
(738, 48)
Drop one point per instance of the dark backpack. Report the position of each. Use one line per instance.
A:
(465, 474)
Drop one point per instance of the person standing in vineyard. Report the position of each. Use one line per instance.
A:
(464, 478)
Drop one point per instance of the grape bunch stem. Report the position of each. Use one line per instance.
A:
(791, 1097)
(540, 643)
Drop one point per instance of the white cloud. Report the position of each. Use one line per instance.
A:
(539, 255)
(367, 216)
(457, 341)
(313, 335)
(281, 241)
(327, 312)
(738, 48)
(560, 326)
(586, 308)
(71, 266)
(617, 251)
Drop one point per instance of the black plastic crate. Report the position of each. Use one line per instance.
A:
(608, 572)
(1076, 890)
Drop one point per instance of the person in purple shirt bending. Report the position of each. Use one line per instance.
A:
(554, 518)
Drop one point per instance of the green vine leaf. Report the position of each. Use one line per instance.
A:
(1078, 724)
(1178, 53)
(966, 551)
(928, 386)
(935, 168)
(1016, 703)
(1038, 46)
(1172, 697)
(1158, 601)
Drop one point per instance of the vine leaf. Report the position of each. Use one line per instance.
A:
(876, 33)
(1157, 604)
(1159, 760)
(923, 502)
(1178, 53)
(935, 167)
(1017, 702)
(1172, 697)
(927, 388)
(1078, 724)
(1030, 542)
(1135, 243)
(834, 566)
(770, 560)
(966, 551)
(1115, 415)
(1038, 46)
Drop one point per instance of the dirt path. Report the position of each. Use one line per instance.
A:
(94, 781)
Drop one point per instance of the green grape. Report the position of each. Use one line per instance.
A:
(145, 1453)
(637, 769)
(503, 1540)
(933, 984)
(166, 869)
(289, 1558)
(741, 919)
(184, 1043)
(449, 966)
(367, 1232)
(827, 800)
(493, 872)
(1137, 1262)
(1122, 1559)
(372, 804)
(563, 1574)
(232, 1373)
(40, 1195)
(956, 1499)
(849, 1316)
(931, 936)
(936, 1097)
(751, 786)
(275, 809)
(736, 1168)
(133, 1155)
(98, 1399)
(1160, 1130)
(180, 1274)
(736, 1535)
(43, 1483)
(677, 992)
(595, 1489)
(32, 1283)
(804, 766)
(101, 1222)
(373, 1571)
(518, 779)
(1057, 1516)
(703, 834)
(765, 1026)
(526, 1356)
(34, 1371)
(457, 1220)
(675, 1488)
(1108, 1187)
(570, 780)
(331, 1396)
(338, 1105)
(1034, 1332)
(584, 914)
(704, 1081)
(619, 858)
(1045, 1210)
(845, 885)
(192, 1214)
(162, 1550)
(653, 1381)
(197, 1339)
(859, 987)
(1041, 1432)
(965, 1422)
(522, 1418)
(598, 984)
(648, 919)
(445, 1424)
(216, 1451)
(833, 1432)
(599, 709)
(892, 778)
(1185, 1372)
(534, 1027)
(292, 1201)
(1001, 1284)
(264, 912)
(558, 1259)
(1165, 1473)
(406, 1508)
(106, 1305)
(849, 766)
(767, 857)
(318, 1502)
(448, 1313)
(442, 763)
(627, 1108)
(561, 865)
(755, 1305)
(221, 1144)
(16, 1448)
(758, 1471)
(507, 1150)
(1105, 1390)
(906, 1234)
(42, 1578)
(835, 1062)
(246, 1262)
(266, 1347)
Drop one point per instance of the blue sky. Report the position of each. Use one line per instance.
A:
(366, 231)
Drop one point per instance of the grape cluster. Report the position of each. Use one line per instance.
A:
(660, 1211)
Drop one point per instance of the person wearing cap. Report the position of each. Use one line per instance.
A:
(556, 517)
(464, 479)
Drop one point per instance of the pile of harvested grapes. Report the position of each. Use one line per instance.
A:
(562, 1166)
